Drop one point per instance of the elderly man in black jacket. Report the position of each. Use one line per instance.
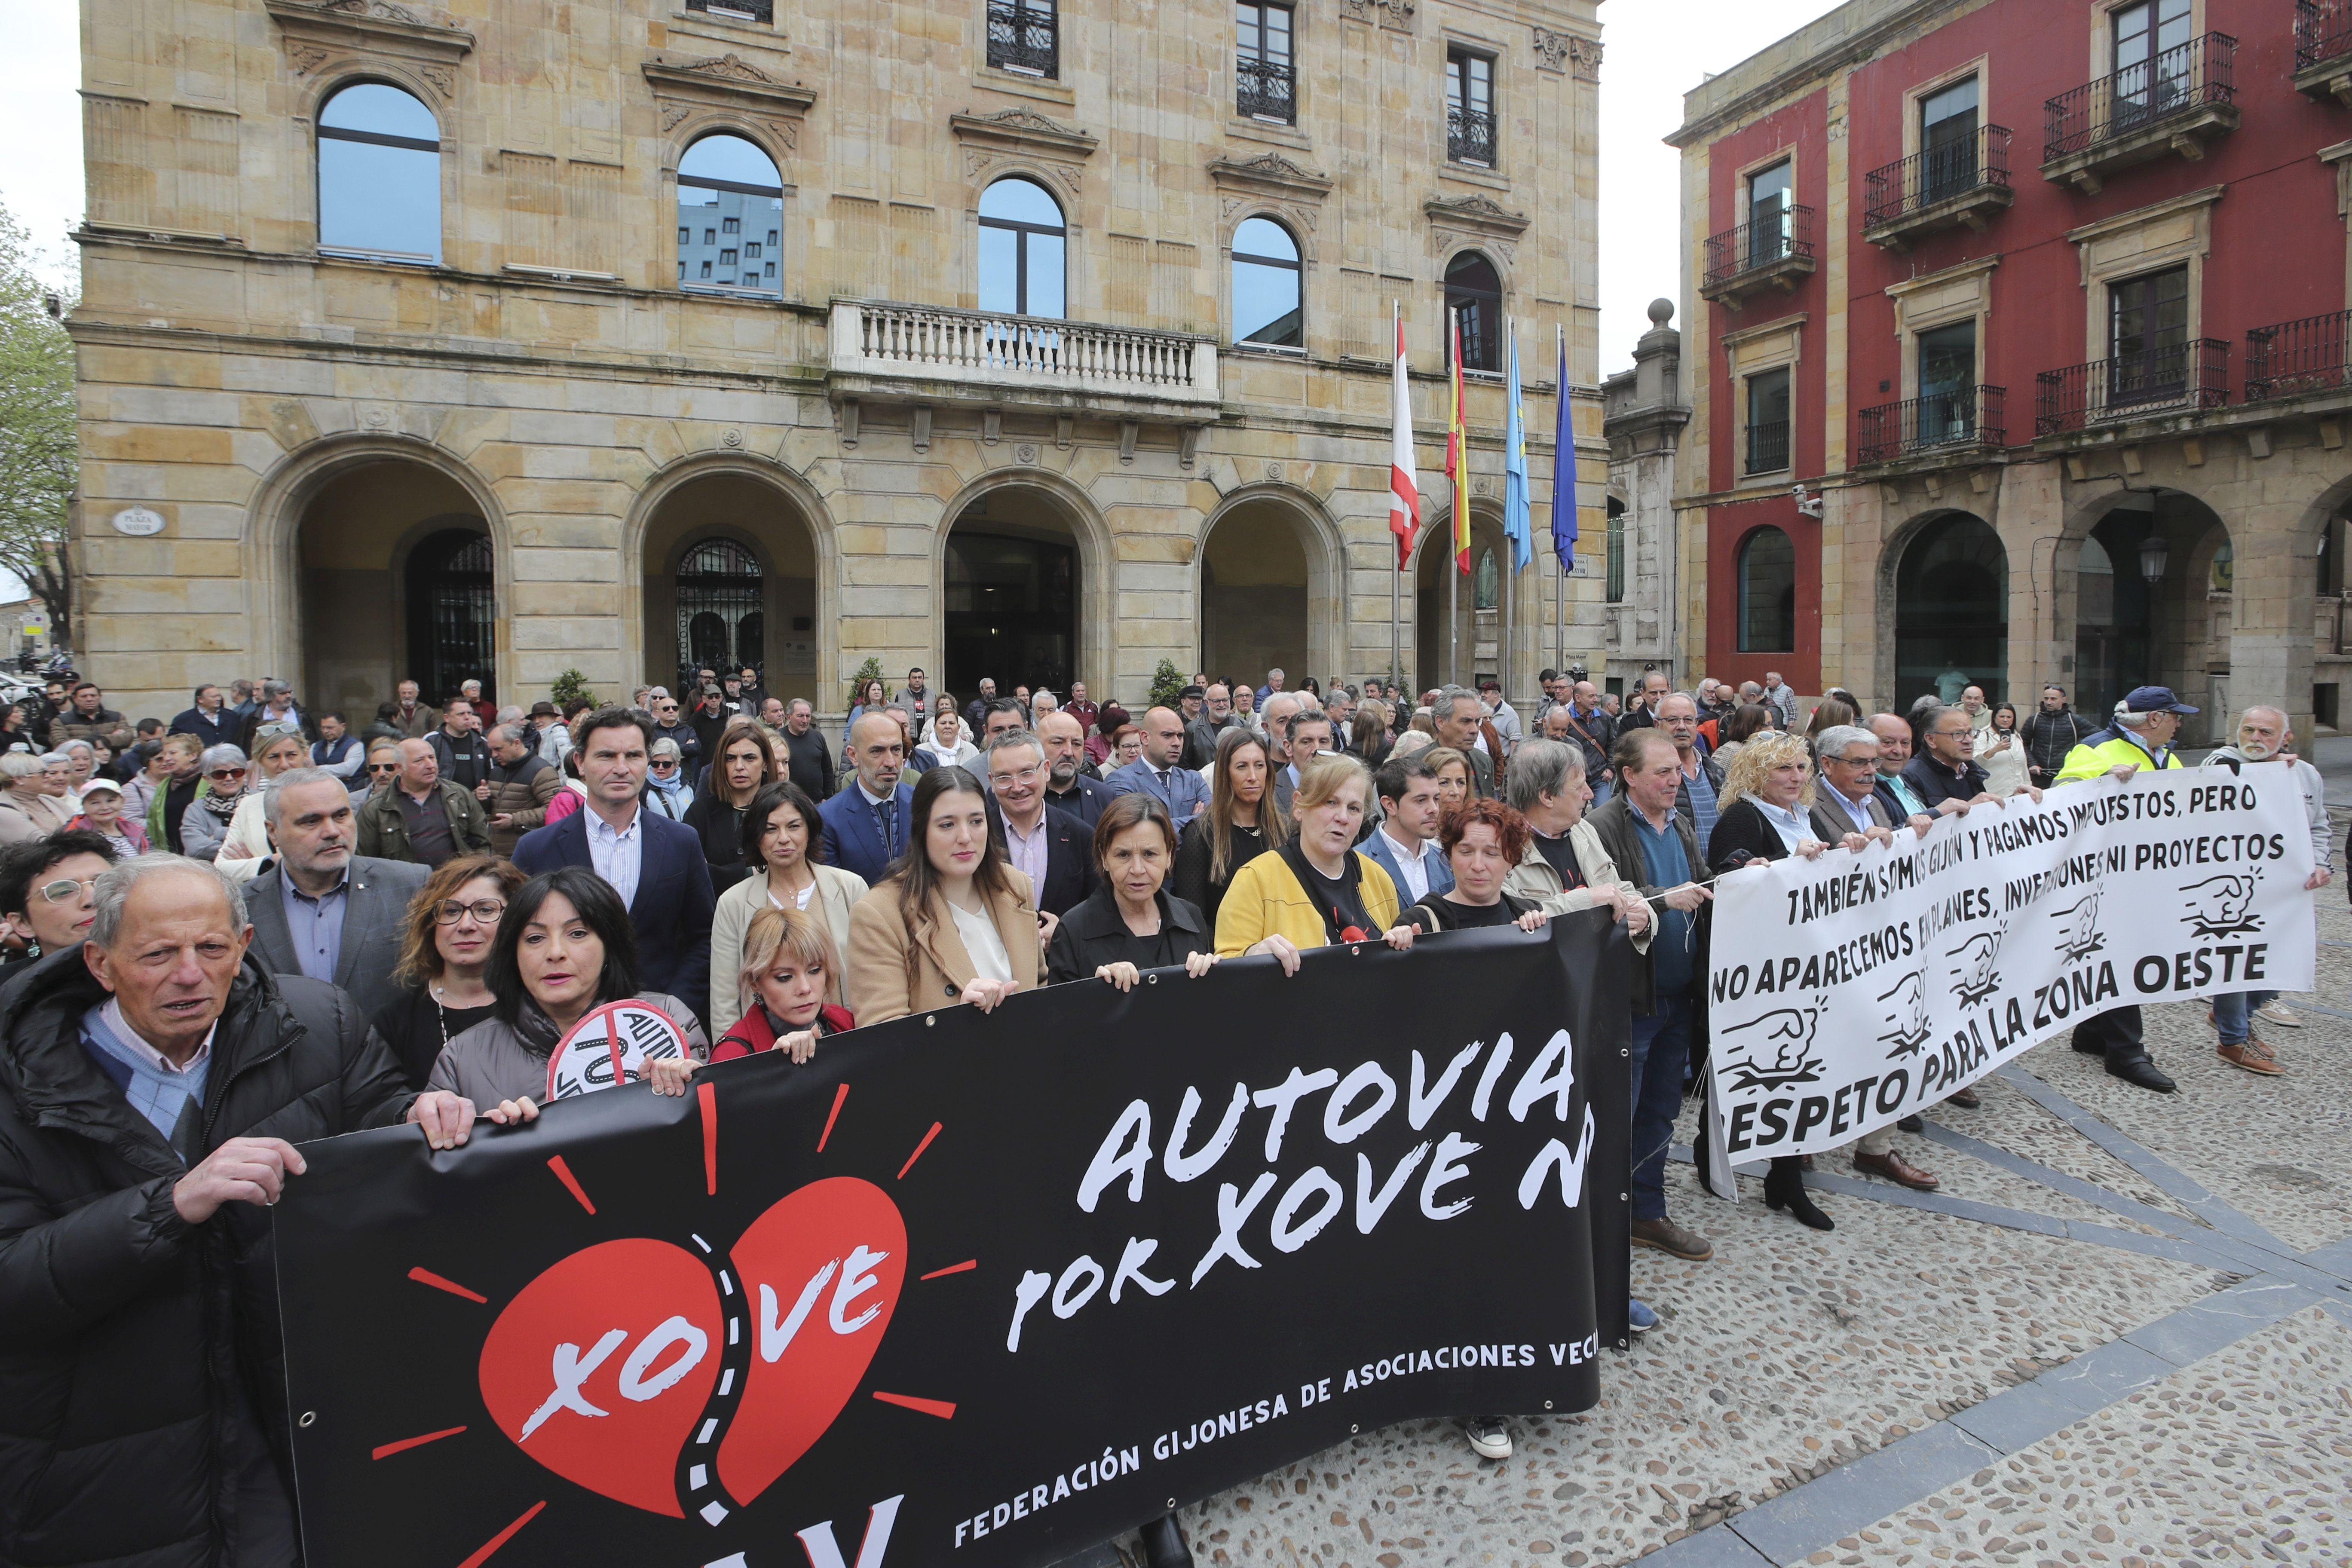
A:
(152, 1087)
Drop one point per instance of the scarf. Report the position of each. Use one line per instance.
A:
(223, 806)
(667, 786)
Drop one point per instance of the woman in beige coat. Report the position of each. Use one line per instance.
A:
(782, 832)
(1565, 867)
(955, 924)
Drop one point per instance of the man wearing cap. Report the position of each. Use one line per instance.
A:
(550, 739)
(2140, 737)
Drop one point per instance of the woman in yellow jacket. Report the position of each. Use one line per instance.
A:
(956, 922)
(1316, 888)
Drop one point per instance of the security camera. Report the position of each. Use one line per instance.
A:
(1810, 505)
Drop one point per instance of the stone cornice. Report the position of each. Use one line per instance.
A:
(727, 79)
(1022, 130)
(1476, 214)
(1270, 173)
(375, 25)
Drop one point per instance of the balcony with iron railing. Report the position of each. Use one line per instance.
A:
(1772, 252)
(1470, 136)
(736, 10)
(1768, 446)
(2322, 49)
(1266, 89)
(928, 354)
(1963, 182)
(2292, 358)
(2173, 103)
(1961, 423)
(1023, 37)
(2179, 378)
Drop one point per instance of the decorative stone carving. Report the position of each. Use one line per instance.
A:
(316, 29)
(1477, 218)
(1026, 452)
(307, 57)
(1551, 49)
(1024, 137)
(1270, 175)
(1395, 15)
(373, 8)
(1584, 59)
(674, 113)
(731, 82)
(1274, 472)
(444, 80)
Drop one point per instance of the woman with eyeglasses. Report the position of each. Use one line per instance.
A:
(782, 838)
(564, 947)
(444, 949)
(667, 790)
(745, 765)
(49, 893)
(276, 748)
(205, 825)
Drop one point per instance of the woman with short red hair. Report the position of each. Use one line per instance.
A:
(1481, 840)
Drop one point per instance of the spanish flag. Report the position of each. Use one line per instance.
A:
(1458, 452)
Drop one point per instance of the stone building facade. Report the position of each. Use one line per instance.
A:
(1643, 417)
(449, 343)
(2062, 403)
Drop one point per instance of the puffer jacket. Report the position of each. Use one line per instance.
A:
(521, 792)
(105, 725)
(131, 1335)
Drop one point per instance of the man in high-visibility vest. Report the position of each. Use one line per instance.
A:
(2139, 736)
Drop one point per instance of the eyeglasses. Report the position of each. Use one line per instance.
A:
(67, 888)
(384, 767)
(226, 773)
(1026, 776)
(665, 761)
(486, 911)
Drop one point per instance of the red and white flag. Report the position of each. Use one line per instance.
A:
(1404, 481)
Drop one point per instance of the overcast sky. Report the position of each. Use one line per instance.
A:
(1655, 50)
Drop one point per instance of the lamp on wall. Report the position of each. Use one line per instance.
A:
(2154, 554)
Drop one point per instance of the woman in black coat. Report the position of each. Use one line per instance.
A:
(1766, 799)
(1131, 922)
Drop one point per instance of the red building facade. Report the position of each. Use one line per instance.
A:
(2018, 352)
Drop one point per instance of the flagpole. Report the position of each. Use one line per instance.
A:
(1510, 583)
(1453, 503)
(1559, 584)
(1396, 589)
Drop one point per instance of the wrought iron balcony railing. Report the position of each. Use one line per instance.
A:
(1963, 418)
(1938, 175)
(2313, 354)
(2179, 377)
(1768, 446)
(2322, 32)
(736, 10)
(1470, 136)
(1023, 35)
(2180, 82)
(1266, 89)
(1766, 242)
(999, 356)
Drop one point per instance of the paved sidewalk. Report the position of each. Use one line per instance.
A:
(2120, 1334)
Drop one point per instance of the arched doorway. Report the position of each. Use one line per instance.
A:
(730, 582)
(452, 612)
(1012, 579)
(397, 580)
(2155, 595)
(1951, 612)
(1472, 646)
(1269, 592)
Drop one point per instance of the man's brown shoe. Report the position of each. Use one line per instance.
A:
(1896, 1169)
(1669, 1238)
(1965, 1099)
(2253, 1058)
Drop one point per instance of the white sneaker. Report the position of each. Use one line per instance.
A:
(2277, 1012)
(1489, 1438)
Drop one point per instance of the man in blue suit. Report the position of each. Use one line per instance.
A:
(868, 825)
(655, 864)
(1155, 773)
(1405, 843)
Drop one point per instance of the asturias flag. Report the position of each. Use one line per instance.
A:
(1516, 526)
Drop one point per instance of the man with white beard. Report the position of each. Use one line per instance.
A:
(2264, 745)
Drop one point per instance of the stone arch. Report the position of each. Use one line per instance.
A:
(1992, 651)
(1301, 236)
(275, 598)
(1431, 646)
(1064, 503)
(2181, 635)
(652, 543)
(1064, 183)
(700, 126)
(1321, 591)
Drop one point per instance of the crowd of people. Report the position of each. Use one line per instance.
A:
(255, 925)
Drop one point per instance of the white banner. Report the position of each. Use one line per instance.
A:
(1853, 989)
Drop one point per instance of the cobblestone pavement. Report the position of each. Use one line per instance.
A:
(2120, 1334)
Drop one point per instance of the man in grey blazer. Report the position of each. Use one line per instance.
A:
(319, 910)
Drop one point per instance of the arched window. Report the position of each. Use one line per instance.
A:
(452, 612)
(731, 218)
(1768, 593)
(1266, 285)
(1475, 290)
(379, 175)
(1485, 583)
(718, 609)
(1616, 551)
(1021, 242)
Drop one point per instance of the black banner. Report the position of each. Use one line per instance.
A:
(971, 1288)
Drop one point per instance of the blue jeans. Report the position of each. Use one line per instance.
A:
(1661, 1050)
(2230, 1009)
(1601, 790)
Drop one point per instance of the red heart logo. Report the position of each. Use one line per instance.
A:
(605, 1367)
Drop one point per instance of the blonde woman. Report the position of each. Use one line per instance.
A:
(1317, 888)
(789, 965)
(782, 838)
